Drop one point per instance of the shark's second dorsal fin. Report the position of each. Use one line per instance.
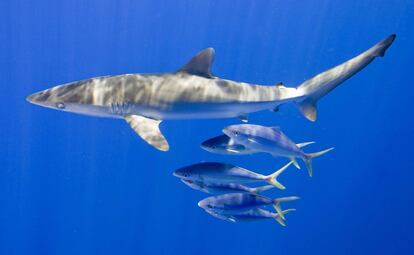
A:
(200, 64)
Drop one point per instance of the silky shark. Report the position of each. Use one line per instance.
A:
(192, 92)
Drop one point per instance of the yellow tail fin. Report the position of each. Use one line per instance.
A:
(272, 179)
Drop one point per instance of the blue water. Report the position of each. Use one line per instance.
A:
(71, 184)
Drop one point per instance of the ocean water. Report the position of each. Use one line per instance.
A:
(72, 184)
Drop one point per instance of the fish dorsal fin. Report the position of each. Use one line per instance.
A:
(276, 128)
(200, 64)
(148, 129)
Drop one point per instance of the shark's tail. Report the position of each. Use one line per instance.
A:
(321, 84)
(309, 156)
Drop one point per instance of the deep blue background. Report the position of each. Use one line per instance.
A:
(71, 184)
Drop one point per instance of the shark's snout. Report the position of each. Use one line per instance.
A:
(51, 98)
(32, 98)
(40, 98)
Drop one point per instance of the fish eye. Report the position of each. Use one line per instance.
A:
(209, 206)
(235, 132)
(60, 105)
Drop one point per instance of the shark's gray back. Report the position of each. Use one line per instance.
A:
(166, 90)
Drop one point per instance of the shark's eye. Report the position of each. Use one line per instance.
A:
(209, 206)
(60, 105)
(236, 132)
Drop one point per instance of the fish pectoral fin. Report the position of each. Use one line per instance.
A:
(200, 64)
(252, 140)
(148, 129)
(244, 118)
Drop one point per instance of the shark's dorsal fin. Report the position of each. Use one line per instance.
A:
(200, 64)
(148, 129)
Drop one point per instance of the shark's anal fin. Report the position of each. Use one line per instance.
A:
(148, 129)
(200, 64)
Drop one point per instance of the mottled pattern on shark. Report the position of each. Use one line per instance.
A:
(192, 92)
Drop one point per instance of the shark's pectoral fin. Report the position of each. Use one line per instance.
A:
(200, 64)
(148, 129)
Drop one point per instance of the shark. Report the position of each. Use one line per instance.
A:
(193, 92)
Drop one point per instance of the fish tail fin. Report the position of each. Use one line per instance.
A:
(272, 179)
(260, 189)
(295, 163)
(278, 201)
(309, 156)
(279, 219)
(318, 86)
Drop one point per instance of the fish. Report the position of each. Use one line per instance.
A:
(237, 203)
(223, 144)
(192, 92)
(252, 215)
(224, 188)
(223, 173)
(273, 141)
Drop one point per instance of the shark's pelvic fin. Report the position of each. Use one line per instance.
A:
(200, 64)
(148, 129)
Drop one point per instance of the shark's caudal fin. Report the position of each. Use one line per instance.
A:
(279, 219)
(260, 189)
(309, 156)
(321, 84)
(272, 179)
(278, 201)
(148, 129)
